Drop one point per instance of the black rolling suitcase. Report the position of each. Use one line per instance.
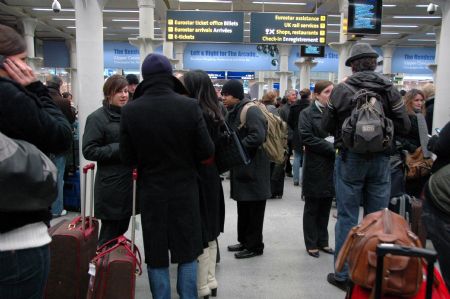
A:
(391, 249)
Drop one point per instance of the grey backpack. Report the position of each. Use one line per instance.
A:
(367, 129)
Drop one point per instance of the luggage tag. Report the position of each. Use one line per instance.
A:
(91, 269)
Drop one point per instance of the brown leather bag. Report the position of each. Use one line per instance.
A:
(402, 275)
(417, 165)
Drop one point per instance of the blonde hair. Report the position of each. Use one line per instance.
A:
(428, 90)
(269, 98)
(409, 99)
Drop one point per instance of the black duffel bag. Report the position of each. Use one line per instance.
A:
(229, 150)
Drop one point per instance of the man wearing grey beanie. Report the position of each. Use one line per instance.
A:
(360, 177)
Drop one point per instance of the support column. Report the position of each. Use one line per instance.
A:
(433, 66)
(343, 50)
(146, 42)
(72, 45)
(260, 84)
(168, 52)
(29, 27)
(305, 65)
(89, 43)
(388, 53)
(441, 105)
(270, 80)
(284, 71)
(294, 81)
(179, 56)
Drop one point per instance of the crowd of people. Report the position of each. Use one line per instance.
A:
(168, 129)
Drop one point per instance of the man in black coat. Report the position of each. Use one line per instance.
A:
(250, 184)
(293, 120)
(54, 84)
(360, 177)
(291, 97)
(164, 135)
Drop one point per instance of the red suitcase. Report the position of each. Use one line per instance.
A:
(74, 244)
(113, 270)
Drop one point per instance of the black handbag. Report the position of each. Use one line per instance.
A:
(27, 177)
(229, 150)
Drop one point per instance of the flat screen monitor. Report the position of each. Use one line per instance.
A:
(364, 16)
(312, 51)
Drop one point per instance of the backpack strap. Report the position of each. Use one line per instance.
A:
(351, 88)
(243, 115)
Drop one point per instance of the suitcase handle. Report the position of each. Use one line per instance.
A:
(90, 166)
(384, 249)
(121, 240)
(133, 218)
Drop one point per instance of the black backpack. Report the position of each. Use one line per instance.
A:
(367, 129)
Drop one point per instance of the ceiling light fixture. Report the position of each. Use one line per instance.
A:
(49, 9)
(420, 40)
(207, 1)
(74, 27)
(416, 17)
(334, 16)
(336, 25)
(430, 33)
(121, 10)
(125, 20)
(399, 26)
(368, 38)
(423, 5)
(390, 33)
(62, 19)
(278, 3)
(389, 5)
(130, 28)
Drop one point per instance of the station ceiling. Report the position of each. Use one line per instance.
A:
(405, 22)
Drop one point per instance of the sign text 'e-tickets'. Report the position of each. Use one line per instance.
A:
(205, 26)
(286, 28)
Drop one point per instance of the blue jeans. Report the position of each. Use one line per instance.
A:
(23, 273)
(358, 179)
(296, 166)
(60, 163)
(186, 281)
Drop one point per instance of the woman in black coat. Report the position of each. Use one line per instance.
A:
(318, 187)
(113, 182)
(415, 106)
(212, 204)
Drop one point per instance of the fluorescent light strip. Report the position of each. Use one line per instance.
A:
(333, 32)
(431, 33)
(336, 25)
(63, 19)
(49, 9)
(416, 17)
(390, 33)
(279, 3)
(206, 1)
(399, 26)
(421, 40)
(424, 5)
(125, 20)
(368, 38)
(72, 10)
(389, 5)
(74, 27)
(130, 28)
(334, 16)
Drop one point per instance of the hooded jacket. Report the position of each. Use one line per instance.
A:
(340, 106)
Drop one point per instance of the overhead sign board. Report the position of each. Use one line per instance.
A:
(205, 26)
(312, 51)
(285, 28)
(241, 75)
(216, 75)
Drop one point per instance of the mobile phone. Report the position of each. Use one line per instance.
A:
(438, 130)
(2, 58)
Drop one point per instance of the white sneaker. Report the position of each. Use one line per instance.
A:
(63, 213)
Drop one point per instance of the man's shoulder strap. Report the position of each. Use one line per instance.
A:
(243, 115)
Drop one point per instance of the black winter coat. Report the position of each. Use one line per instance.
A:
(411, 140)
(293, 120)
(340, 106)
(30, 114)
(441, 147)
(113, 181)
(429, 106)
(165, 136)
(211, 192)
(319, 155)
(250, 182)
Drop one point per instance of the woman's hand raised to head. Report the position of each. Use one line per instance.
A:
(19, 71)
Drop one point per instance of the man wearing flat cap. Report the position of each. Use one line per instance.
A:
(164, 135)
(360, 177)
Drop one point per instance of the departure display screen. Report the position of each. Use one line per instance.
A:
(312, 51)
(364, 16)
(287, 28)
(205, 26)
